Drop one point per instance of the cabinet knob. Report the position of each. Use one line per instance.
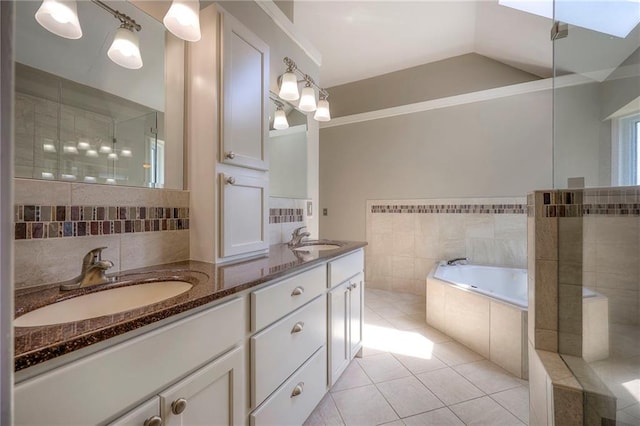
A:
(354, 285)
(153, 421)
(298, 389)
(297, 328)
(230, 155)
(231, 180)
(178, 406)
(297, 291)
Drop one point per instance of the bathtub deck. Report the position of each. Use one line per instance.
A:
(413, 374)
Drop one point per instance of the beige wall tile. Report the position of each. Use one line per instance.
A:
(617, 258)
(41, 192)
(380, 266)
(506, 348)
(427, 246)
(546, 297)
(153, 248)
(402, 285)
(403, 243)
(380, 223)
(568, 408)
(381, 244)
(435, 304)
(87, 194)
(451, 227)
(54, 260)
(402, 267)
(546, 238)
(402, 222)
(422, 268)
(479, 225)
(467, 319)
(546, 340)
(427, 224)
(616, 230)
(510, 226)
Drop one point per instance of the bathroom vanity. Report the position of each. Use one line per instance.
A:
(256, 342)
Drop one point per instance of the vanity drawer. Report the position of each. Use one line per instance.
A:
(309, 386)
(280, 349)
(345, 267)
(277, 300)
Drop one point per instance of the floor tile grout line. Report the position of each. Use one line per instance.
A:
(344, 422)
(512, 413)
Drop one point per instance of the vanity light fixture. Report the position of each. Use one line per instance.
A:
(92, 153)
(183, 19)
(126, 152)
(113, 156)
(279, 117)
(83, 144)
(48, 146)
(105, 149)
(47, 175)
(289, 91)
(70, 149)
(60, 17)
(90, 179)
(110, 181)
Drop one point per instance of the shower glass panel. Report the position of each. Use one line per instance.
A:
(135, 144)
(596, 111)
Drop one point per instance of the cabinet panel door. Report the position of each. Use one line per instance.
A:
(213, 395)
(245, 81)
(339, 348)
(243, 202)
(139, 415)
(356, 302)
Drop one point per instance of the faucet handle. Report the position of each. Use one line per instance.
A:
(92, 257)
(297, 230)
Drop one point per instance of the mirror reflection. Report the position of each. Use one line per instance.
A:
(288, 153)
(79, 116)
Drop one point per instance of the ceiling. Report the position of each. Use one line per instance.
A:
(361, 39)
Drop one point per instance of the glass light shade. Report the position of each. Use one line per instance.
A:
(105, 149)
(65, 176)
(280, 120)
(83, 145)
(183, 19)
(113, 156)
(308, 99)
(70, 149)
(110, 181)
(47, 175)
(92, 153)
(289, 87)
(126, 152)
(125, 50)
(48, 146)
(90, 179)
(322, 113)
(60, 17)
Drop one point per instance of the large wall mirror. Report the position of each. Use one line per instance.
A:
(80, 117)
(288, 155)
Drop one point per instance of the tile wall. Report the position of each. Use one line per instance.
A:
(60, 222)
(285, 215)
(407, 237)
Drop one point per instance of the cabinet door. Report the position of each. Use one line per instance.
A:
(243, 203)
(146, 414)
(339, 348)
(213, 395)
(356, 302)
(245, 82)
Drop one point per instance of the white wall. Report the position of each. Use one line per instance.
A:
(494, 148)
(6, 212)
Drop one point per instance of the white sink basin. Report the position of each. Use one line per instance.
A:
(317, 247)
(106, 302)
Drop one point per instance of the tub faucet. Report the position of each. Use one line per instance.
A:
(297, 236)
(92, 272)
(458, 261)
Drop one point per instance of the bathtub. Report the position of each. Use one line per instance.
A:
(485, 308)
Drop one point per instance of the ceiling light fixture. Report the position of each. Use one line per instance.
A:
(289, 91)
(183, 19)
(60, 17)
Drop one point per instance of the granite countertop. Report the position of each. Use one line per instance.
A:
(211, 282)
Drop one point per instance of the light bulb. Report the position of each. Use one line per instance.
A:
(322, 113)
(280, 120)
(60, 17)
(183, 19)
(308, 99)
(289, 87)
(125, 50)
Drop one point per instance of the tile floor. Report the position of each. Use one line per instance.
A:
(412, 374)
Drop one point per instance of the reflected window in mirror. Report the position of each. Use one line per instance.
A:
(80, 117)
(627, 137)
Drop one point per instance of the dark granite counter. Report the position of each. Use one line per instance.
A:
(211, 282)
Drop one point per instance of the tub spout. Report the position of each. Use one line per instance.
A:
(458, 261)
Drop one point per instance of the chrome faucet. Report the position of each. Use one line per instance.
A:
(458, 261)
(93, 271)
(297, 236)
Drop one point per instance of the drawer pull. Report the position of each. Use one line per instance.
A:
(178, 406)
(297, 291)
(297, 328)
(153, 421)
(298, 389)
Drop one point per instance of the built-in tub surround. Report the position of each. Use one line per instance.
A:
(61, 222)
(407, 237)
(34, 345)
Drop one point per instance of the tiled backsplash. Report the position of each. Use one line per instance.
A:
(285, 214)
(407, 237)
(35, 221)
(140, 227)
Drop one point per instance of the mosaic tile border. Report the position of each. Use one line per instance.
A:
(286, 215)
(40, 222)
(451, 208)
(589, 202)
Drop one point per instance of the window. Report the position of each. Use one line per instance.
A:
(626, 152)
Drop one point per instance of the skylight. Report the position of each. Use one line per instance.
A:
(613, 17)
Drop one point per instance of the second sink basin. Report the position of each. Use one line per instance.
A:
(105, 302)
(317, 247)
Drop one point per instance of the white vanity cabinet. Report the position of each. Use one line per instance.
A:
(345, 312)
(288, 353)
(99, 387)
